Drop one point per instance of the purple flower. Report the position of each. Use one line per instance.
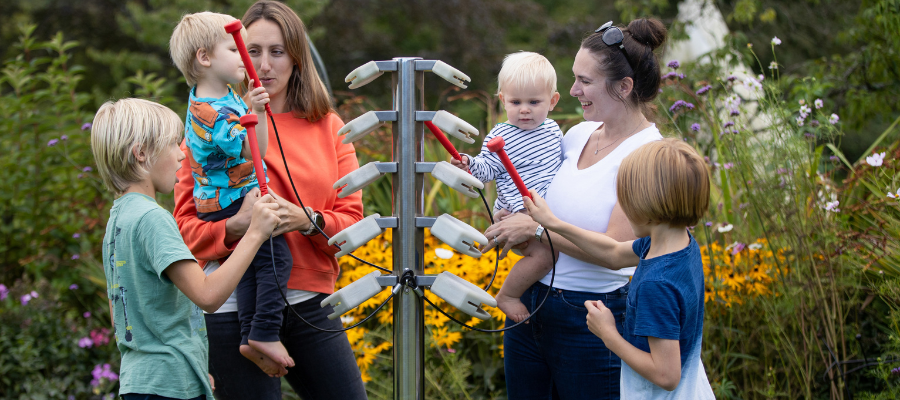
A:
(76, 235)
(833, 158)
(87, 314)
(808, 135)
(34, 294)
(819, 103)
(4, 292)
(728, 165)
(673, 64)
(738, 247)
(731, 78)
(679, 104)
(73, 286)
(85, 342)
(52, 142)
(735, 112)
(63, 138)
(834, 119)
(695, 127)
(680, 75)
(669, 75)
(814, 123)
(728, 124)
(709, 224)
(75, 256)
(776, 41)
(703, 90)
(86, 126)
(25, 299)
(87, 169)
(80, 176)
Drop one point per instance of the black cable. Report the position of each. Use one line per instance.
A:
(288, 305)
(496, 260)
(305, 211)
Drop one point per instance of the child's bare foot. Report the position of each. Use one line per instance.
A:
(512, 307)
(263, 361)
(275, 351)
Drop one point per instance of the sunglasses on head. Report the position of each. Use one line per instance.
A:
(612, 36)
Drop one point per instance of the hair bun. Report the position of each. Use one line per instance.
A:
(648, 31)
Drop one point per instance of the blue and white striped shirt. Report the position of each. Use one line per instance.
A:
(536, 154)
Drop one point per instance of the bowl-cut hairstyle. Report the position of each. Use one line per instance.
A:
(127, 124)
(197, 31)
(664, 181)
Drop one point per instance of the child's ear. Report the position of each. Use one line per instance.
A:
(203, 57)
(553, 100)
(501, 96)
(138, 152)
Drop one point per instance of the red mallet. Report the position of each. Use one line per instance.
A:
(249, 122)
(234, 29)
(496, 146)
(444, 141)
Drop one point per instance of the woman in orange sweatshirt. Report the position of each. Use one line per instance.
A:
(325, 365)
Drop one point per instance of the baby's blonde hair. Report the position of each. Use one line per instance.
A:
(197, 31)
(664, 181)
(124, 125)
(526, 69)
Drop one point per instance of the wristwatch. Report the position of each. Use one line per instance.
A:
(538, 233)
(317, 220)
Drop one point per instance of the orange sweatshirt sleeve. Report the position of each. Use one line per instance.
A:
(345, 211)
(206, 240)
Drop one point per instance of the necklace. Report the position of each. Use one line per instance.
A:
(614, 141)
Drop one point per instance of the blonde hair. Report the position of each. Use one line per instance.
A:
(121, 126)
(526, 68)
(197, 31)
(306, 93)
(664, 181)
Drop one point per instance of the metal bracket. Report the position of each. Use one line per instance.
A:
(425, 222)
(425, 65)
(424, 167)
(387, 66)
(387, 280)
(387, 167)
(422, 116)
(387, 222)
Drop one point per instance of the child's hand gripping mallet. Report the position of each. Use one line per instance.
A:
(249, 122)
(234, 28)
(496, 146)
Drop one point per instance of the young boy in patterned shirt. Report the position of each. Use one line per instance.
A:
(219, 154)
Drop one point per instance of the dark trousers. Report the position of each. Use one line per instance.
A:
(325, 365)
(556, 356)
(259, 300)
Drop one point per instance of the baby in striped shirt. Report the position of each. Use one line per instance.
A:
(527, 88)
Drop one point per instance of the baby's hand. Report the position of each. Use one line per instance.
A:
(463, 165)
(258, 98)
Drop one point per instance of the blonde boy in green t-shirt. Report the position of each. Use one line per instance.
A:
(154, 284)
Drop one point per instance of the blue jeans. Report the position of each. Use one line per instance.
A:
(325, 364)
(555, 356)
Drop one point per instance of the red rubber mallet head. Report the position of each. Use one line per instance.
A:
(233, 28)
(496, 146)
(249, 122)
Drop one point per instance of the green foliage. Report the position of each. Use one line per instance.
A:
(39, 353)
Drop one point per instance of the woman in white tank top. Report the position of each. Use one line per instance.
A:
(617, 75)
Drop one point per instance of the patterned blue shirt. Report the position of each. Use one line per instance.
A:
(214, 139)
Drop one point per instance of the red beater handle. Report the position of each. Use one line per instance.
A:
(234, 28)
(444, 141)
(249, 122)
(496, 146)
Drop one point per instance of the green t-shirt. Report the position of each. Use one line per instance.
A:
(159, 331)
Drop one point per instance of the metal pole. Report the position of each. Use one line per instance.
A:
(408, 241)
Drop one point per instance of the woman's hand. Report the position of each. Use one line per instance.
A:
(539, 210)
(292, 216)
(512, 230)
